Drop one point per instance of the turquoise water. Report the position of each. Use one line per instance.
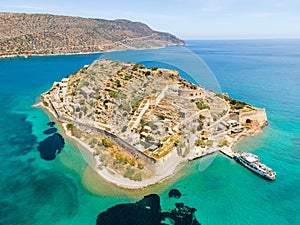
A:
(64, 191)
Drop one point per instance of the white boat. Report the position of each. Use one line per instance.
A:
(252, 162)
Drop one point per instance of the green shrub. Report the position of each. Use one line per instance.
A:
(143, 123)
(137, 177)
(224, 142)
(235, 104)
(149, 138)
(135, 66)
(106, 143)
(93, 141)
(201, 105)
(70, 126)
(118, 83)
(129, 173)
(127, 77)
(201, 117)
(140, 166)
(200, 142)
(113, 94)
(126, 106)
(124, 128)
(84, 109)
(200, 127)
(162, 117)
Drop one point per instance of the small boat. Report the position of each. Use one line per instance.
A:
(252, 162)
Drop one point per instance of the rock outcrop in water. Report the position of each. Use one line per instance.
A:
(44, 34)
(174, 193)
(147, 212)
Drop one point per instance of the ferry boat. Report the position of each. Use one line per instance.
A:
(252, 162)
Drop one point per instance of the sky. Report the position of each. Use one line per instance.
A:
(187, 19)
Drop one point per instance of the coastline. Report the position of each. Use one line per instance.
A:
(106, 173)
(117, 179)
(82, 53)
(56, 54)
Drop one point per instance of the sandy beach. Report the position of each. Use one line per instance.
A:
(109, 175)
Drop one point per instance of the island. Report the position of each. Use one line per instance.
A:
(23, 34)
(142, 124)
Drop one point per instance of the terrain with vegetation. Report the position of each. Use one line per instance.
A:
(141, 123)
(45, 34)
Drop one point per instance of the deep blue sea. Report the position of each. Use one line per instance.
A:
(265, 73)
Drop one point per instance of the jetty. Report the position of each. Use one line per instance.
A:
(227, 151)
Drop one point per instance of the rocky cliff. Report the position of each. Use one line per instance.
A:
(44, 34)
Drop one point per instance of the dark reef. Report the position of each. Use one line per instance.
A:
(50, 131)
(174, 193)
(51, 124)
(147, 212)
(51, 146)
(18, 134)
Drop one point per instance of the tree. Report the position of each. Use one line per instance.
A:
(248, 120)
(143, 123)
(224, 142)
(124, 128)
(106, 143)
(201, 105)
(136, 66)
(118, 83)
(161, 117)
(127, 77)
(200, 127)
(113, 94)
(200, 142)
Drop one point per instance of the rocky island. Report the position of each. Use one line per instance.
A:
(140, 124)
(24, 34)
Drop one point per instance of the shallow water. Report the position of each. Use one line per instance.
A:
(65, 191)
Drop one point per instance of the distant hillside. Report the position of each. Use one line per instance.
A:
(39, 34)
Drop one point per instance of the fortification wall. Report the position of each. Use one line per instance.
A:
(259, 115)
(118, 141)
(167, 164)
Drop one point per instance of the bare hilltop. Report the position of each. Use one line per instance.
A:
(45, 34)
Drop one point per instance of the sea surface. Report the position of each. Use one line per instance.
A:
(61, 189)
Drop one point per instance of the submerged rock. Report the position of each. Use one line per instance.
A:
(50, 131)
(147, 212)
(182, 215)
(174, 193)
(51, 124)
(51, 146)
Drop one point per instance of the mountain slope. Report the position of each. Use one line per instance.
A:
(39, 34)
